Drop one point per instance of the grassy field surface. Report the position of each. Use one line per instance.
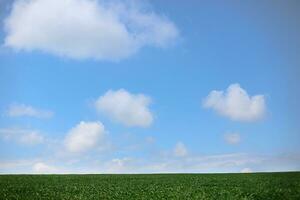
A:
(159, 186)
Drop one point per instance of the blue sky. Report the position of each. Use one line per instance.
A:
(131, 87)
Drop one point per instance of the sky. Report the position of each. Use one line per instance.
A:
(98, 86)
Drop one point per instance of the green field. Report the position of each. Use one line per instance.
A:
(159, 186)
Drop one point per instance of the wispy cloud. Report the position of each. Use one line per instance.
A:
(22, 110)
(237, 162)
(43, 168)
(232, 138)
(246, 170)
(22, 136)
(180, 150)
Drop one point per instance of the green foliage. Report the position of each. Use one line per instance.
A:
(262, 186)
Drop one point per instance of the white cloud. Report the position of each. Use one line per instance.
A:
(192, 163)
(83, 29)
(232, 138)
(84, 136)
(20, 110)
(126, 108)
(15, 166)
(117, 165)
(246, 170)
(43, 168)
(186, 164)
(236, 104)
(22, 136)
(150, 140)
(180, 150)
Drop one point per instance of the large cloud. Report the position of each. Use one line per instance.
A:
(86, 28)
(236, 104)
(21, 110)
(126, 108)
(84, 136)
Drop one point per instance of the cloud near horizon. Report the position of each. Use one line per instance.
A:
(43, 168)
(82, 29)
(215, 163)
(236, 104)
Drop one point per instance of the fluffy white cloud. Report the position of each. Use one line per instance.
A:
(232, 138)
(20, 110)
(86, 28)
(126, 108)
(22, 136)
(43, 168)
(180, 150)
(236, 104)
(84, 136)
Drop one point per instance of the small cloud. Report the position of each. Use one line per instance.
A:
(22, 136)
(180, 150)
(246, 170)
(126, 108)
(232, 138)
(99, 30)
(84, 136)
(236, 104)
(43, 168)
(118, 165)
(150, 140)
(22, 110)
